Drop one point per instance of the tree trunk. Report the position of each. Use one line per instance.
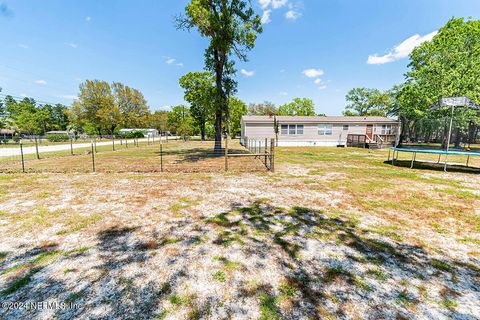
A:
(202, 129)
(458, 138)
(218, 131)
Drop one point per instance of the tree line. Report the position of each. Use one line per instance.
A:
(446, 66)
(103, 109)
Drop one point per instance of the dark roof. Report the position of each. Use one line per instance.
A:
(319, 119)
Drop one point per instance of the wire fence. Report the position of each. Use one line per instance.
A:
(150, 154)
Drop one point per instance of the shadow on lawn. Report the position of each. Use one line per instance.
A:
(435, 166)
(198, 154)
(295, 240)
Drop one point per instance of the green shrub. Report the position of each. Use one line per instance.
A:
(58, 137)
(133, 134)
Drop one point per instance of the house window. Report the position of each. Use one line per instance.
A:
(386, 129)
(325, 129)
(292, 129)
(345, 127)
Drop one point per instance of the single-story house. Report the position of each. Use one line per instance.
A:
(7, 134)
(146, 132)
(322, 131)
(57, 132)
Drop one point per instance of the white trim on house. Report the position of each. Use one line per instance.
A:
(316, 130)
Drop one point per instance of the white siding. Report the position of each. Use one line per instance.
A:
(310, 136)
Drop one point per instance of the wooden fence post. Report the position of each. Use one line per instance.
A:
(71, 146)
(93, 157)
(113, 143)
(23, 160)
(226, 152)
(36, 148)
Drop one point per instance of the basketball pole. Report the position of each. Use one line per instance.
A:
(448, 139)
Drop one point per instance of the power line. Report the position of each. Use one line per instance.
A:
(18, 99)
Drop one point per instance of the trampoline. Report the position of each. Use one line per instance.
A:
(414, 152)
(452, 102)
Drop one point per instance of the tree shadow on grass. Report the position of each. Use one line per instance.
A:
(198, 154)
(328, 263)
(300, 232)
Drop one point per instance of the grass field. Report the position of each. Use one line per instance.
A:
(333, 233)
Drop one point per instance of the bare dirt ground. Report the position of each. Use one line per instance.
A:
(331, 234)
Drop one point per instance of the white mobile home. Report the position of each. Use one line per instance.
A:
(322, 131)
(146, 132)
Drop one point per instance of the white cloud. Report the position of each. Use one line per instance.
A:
(88, 19)
(180, 64)
(278, 3)
(269, 5)
(23, 46)
(275, 4)
(292, 14)
(283, 93)
(313, 73)
(266, 16)
(247, 73)
(41, 82)
(170, 60)
(72, 45)
(320, 83)
(401, 50)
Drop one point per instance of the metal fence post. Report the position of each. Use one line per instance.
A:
(272, 155)
(36, 148)
(93, 157)
(23, 160)
(226, 152)
(161, 155)
(266, 143)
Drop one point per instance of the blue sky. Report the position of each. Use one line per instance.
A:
(309, 48)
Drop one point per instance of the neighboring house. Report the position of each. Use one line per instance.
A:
(57, 132)
(323, 131)
(7, 134)
(146, 132)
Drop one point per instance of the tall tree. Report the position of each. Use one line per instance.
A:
(132, 105)
(238, 108)
(181, 122)
(158, 120)
(449, 66)
(366, 102)
(2, 113)
(199, 88)
(232, 28)
(94, 96)
(298, 107)
(262, 109)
